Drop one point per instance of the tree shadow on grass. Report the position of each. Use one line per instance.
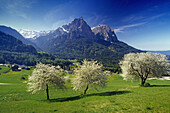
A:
(160, 86)
(110, 93)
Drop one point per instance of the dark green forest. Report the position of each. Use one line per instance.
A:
(28, 59)
(109, 54)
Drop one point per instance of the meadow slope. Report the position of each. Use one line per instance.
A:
(117, 96)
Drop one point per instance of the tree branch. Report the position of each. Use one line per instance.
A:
(137, 72)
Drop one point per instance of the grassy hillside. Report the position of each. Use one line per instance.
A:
(118, 96)
(3, 69)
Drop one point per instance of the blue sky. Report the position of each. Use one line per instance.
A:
(143, 24)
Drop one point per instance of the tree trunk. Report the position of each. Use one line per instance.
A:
(47, 92)
(142, 82)
(86, 89)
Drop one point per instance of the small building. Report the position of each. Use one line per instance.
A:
(28, 68)
(25, 67)
(19, 69)
(15, 67)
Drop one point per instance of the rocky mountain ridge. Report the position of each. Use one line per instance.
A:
(78, 27)
(104, 32)
(78, 40)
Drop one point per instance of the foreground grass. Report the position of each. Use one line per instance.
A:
(118, 96)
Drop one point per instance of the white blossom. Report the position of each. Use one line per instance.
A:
(140, 65)
(44, 75)
(89, 73)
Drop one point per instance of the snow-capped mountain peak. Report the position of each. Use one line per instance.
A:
(78, 27)
(32, 34)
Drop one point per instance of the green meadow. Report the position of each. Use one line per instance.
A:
(3, 69)
(117, 96)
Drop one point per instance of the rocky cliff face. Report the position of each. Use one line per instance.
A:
(74, 30)
(78, 27)
(104, 32)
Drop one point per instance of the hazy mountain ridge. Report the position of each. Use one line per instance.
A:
(162, 52)
(12, 44)
(16, 34)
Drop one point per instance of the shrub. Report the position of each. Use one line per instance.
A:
(147, 85)
(23, 78)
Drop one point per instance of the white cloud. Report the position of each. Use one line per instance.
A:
(133, 18)
(154, 17)
(122, 28)
(16, 7)
(143, 20)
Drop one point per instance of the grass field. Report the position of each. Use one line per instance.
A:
(3, 69)
(118, 96)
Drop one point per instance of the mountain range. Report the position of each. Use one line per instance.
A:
(16, 34)
(77, 40)
(28, 34)
(162, 52)
(12, 44)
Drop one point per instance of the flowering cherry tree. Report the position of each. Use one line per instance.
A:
(141, 65)
(88, 74)
(44, 76)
